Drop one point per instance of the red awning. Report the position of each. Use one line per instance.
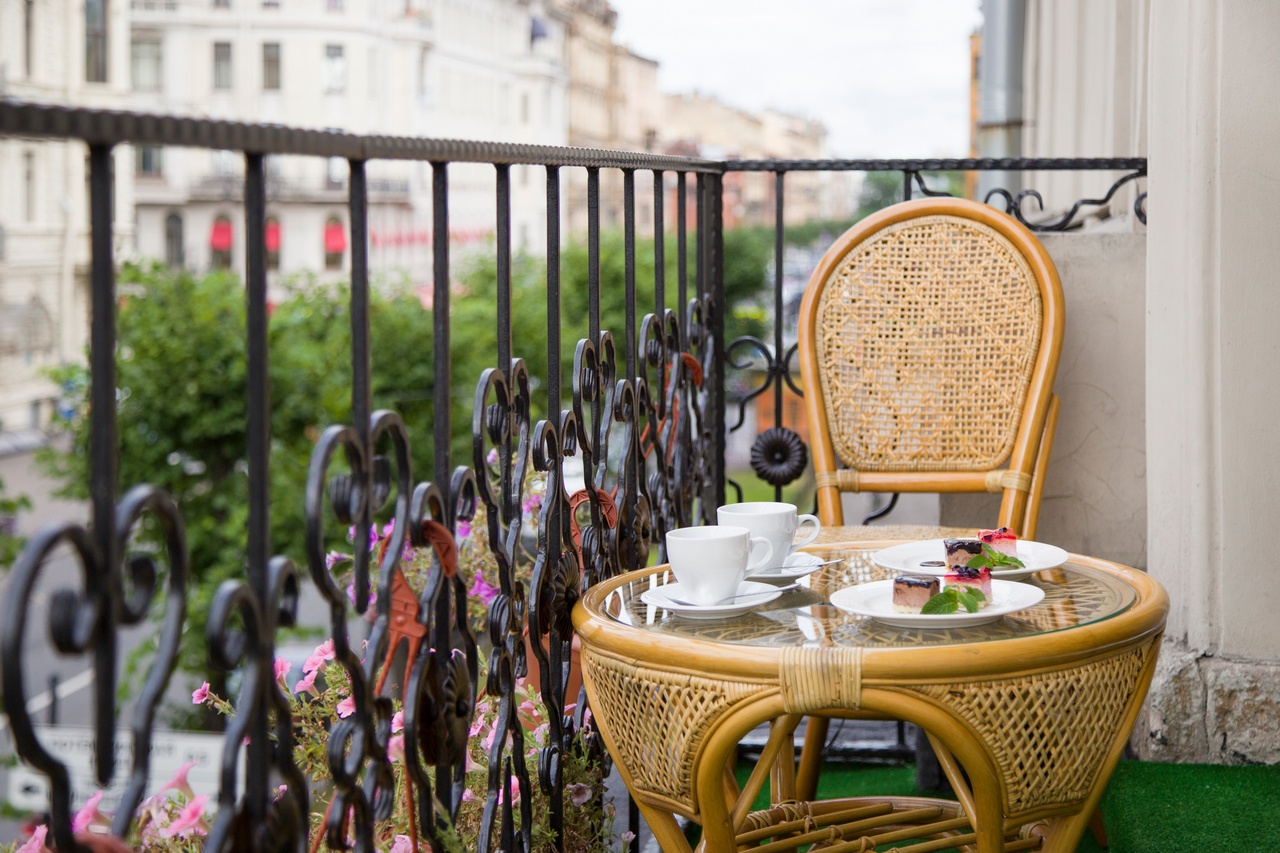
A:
(335, 238)
(220, 237)
(273, 235)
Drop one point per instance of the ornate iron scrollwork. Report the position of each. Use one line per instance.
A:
(504, 425)
(1013, 204)
(116, 592)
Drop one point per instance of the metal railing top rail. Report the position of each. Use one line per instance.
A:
(109, 127)
(977, 164)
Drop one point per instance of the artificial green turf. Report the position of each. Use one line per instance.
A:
(1181, 808)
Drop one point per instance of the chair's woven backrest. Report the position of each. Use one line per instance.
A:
(929, 335)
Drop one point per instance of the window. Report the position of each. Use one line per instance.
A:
(28, 41)
(148, 63)
(336, 173)
(273, 243)
(271, 65)
(95, 41)
(335, 243)
(335, 68)
(174, 249)
(148, 161)
(220, 241)
(222, 65)
(29, 185)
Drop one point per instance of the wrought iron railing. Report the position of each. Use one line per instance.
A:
(649, 423)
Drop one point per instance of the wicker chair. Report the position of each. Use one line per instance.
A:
(929, 340)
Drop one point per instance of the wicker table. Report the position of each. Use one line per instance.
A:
(1034, 708)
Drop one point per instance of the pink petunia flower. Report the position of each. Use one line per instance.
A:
(395, 748)
(307, 684)
(333, 558)
(464, 528)
(35, 844)
(579, 793)
(346, 707)
(179, 781)
(200, 695)
(323, 652)
(628, 837)
(481, 590)
(467, 796)
(282, 669)
(402, 844)
(397, 721)
(190, 820)
(88, 814)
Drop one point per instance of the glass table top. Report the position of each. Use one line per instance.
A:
(1074, 595)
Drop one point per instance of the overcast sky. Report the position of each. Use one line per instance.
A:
(888, 78)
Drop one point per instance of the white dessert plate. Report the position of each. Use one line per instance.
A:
(795, 566)
(669, 597)
(875, 599)
(911, 556)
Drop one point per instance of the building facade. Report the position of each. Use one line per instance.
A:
(465, 69)
(67, 53)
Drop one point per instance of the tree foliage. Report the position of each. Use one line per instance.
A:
(181, 379)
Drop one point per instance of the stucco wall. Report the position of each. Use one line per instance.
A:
(1095, 499)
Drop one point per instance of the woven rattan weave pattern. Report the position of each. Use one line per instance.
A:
(664, 718)
(1047, 741)
(927, 338)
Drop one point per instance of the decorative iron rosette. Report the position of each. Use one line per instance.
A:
(779, 456)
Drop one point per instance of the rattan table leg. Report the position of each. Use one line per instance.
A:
(815, 737)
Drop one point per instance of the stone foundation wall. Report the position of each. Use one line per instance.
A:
(1210, 710)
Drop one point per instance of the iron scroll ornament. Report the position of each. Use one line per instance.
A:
(89, 619)
(503, 424)
(1013, 204)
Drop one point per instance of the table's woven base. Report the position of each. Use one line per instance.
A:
(862, 824)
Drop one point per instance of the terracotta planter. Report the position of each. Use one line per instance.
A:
(574, 686)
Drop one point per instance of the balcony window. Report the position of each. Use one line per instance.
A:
(147, 61)
(273, 243)
(335, 68)
(95, 41)
(148, 161)
(29, 185)
(335, 243)
(222, 65)
(271, 65)
(220, 241)
(174, 248)
(28, 39)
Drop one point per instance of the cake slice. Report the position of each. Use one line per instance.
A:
(1002, 540)
(966, 578)
(960, 552)
(910, 592)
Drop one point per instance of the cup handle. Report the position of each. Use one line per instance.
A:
(801, 520)
(757, 565)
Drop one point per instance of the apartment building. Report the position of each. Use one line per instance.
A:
(464, 69)
(53, 51)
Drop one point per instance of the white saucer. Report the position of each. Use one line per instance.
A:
(795, 566)
(875, 599)
(661, 596)
(909, 556)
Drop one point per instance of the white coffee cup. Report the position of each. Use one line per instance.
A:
(711, 562)
(777, 522)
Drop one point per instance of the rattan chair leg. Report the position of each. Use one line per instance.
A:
(815, 741)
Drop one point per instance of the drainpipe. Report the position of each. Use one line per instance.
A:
(1000, 90)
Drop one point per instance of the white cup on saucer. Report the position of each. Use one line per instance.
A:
(775, 521)
(710, 563)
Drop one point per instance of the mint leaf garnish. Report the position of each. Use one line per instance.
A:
(944, 602)
(970, 600)
(993, 559)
